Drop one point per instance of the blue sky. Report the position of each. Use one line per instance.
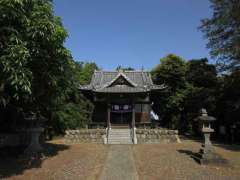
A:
(134, 33)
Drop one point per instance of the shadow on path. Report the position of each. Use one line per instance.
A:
(230, 147)
(12, 162)
(215, 142)
(195, 156)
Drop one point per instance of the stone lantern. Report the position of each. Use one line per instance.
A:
(207, 153)
(35, 130)
(206, 121)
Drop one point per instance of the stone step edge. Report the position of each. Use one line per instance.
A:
(119, 132)
(119, 139)
(120, 143)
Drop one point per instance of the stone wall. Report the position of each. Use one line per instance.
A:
(85, 136)
(157, 136)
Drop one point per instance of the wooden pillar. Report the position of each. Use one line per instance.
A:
(109, 115)
(133, 115)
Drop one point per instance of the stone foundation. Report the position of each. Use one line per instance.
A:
(85, 136)
(143, 136)
(157, 136)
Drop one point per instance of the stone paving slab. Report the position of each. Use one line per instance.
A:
(119, 164)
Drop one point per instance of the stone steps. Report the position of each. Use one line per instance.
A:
(119, 136)
(119, 139)
(119, 126)
(119, 142)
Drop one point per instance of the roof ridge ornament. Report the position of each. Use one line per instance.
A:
(120, 70)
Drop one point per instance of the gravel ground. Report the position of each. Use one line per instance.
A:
(143, 162)
(62, 162)
(174, 161)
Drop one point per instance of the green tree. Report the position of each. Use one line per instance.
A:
(228, 106)
(191, 86)
(171, 71)
(37, 73)
(222, 31)
(202, 90)
(32, 51)
(201, 74)
(124, 68)
(70, 110)
(203, 77)
(87, 72)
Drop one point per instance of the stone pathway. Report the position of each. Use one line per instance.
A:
(119, 164)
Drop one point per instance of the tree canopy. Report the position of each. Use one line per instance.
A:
(37, 73)
(86, 72)
(124, 68)
(170, 71)
(32, 51)
(191, 86)
(222, 31)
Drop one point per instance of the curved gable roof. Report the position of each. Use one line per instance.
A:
(120, 74)
(138, 78)
(140, 81)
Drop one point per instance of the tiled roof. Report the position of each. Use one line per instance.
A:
(138, 81)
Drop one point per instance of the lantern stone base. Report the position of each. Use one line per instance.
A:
(34, 146)
(208, 156)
